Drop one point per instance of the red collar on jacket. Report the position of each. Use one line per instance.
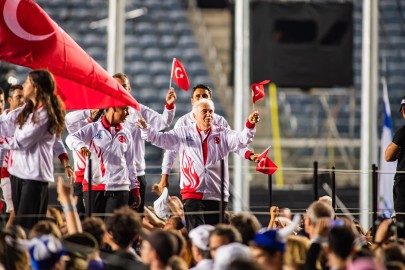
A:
(108, 125)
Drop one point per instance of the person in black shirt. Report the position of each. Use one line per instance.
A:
(392, 153)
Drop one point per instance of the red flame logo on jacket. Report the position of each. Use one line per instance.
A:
(191, 180)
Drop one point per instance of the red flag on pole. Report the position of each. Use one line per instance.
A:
(30, 38)
(265, 164)
(179, 75)
(258, 90)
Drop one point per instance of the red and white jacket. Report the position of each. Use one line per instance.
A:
(170, 155)
(31, 155)
(156, 120)
(114, 149)
(75, 121)
(198, 150)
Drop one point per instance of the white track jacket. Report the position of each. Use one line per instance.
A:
(31, 155)
(114, 150)
(156, 120)
(197, 154)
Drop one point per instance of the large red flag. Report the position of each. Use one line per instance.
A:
(179, 75)
(258, 90)
(265, 164)
(28, 37)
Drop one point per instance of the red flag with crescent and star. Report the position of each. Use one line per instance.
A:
(265, 164)
(30, 38)
(179, 75)
(258, 90)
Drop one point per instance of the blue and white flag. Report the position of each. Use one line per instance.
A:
(387, 169)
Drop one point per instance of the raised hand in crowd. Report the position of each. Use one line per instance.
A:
(274, 212)
(171, 96)
(68, 203)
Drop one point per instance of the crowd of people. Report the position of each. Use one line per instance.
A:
(109, 149)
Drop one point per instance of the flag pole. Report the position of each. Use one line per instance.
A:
(171, 74)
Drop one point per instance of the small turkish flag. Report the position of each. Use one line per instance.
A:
(265, 164)
(179, 75)
(258, 90)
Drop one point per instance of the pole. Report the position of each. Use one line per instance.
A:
(270, 186)
(116, 36)
(375, 192)
(333, 188)
(89, 207)
(315, 184)
(241, 82)
(221, 203)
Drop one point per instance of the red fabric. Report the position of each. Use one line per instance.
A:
(170, 106)
(204, 143)
(265, 165)
(135, 192)
(99, 187)
(29, 37)
(179, 75)
(4, 172)
(191, 195)
(63, 156)
(249, 125)
(247, 154)
(258, 90)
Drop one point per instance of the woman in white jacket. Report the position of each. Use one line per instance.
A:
(30, 132)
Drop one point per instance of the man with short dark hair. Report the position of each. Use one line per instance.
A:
(394, 152)
(222, 235)
(341, 244)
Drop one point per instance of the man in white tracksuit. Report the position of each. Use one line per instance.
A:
(200, 146)
(112, 143)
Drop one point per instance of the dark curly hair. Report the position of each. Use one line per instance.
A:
(125, 224)
(45, 86)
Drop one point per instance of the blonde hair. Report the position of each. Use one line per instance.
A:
(296, 251)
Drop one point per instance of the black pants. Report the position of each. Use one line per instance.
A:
(399, 205)
(98, 201)
(115, 199)
(142, 181)
(78, 192)
(195, 205)
(30, 199)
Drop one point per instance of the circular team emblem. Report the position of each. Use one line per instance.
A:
(121, 138)
(216, 140)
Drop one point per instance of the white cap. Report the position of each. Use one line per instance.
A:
(161, 207)
(225, 255)
(200, 236)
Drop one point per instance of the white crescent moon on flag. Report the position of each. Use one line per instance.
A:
(257, 93)
(10, 18)
(261, 163)
(175, 73)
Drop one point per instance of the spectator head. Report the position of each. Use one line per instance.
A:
(15, 96)
(158, 247)
(79, 247)
(2, 102)
(285, 212)
(267, 249)
(200, 91)
(316, 211)
(229, 253)
(223, 235)
(125, 226)
(296, 251)
(174, 223)
(401, 109)
(247, 224)
(96, 227)
(326, 199)
(44, 227)
(200, 242)
(341, 244)
(11, 257)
